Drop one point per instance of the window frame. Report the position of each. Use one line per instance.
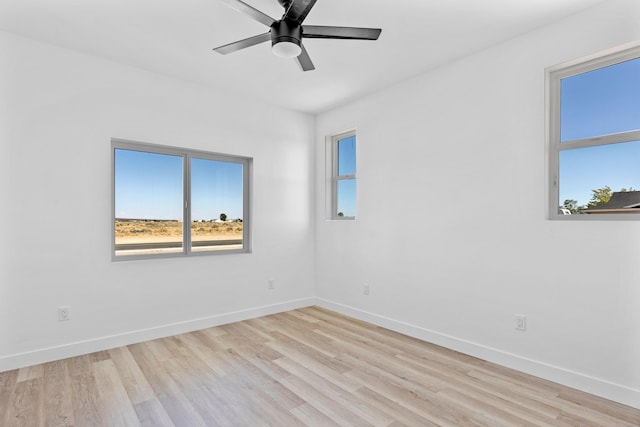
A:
(186, 155)
(335, 178)
(553, 78)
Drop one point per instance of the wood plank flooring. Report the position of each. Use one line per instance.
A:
(307, 367)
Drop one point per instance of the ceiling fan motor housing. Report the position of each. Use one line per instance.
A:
(283, 31)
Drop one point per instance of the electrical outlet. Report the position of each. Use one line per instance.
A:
(521, 322)
(64, 314)
(271, 284)
(366, 289)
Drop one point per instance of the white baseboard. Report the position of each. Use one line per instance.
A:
(606, 389)
(43, 355)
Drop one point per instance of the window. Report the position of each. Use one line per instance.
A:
(594, 136)
(170, 201)
(343, 151)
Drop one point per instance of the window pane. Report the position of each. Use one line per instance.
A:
(601, 102)
(347, 156)
(585, 169)
(347, 198)
(148, 203)
(216, 205)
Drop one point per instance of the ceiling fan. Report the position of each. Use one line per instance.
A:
(286, 34)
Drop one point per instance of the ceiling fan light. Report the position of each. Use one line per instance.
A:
(286, 49)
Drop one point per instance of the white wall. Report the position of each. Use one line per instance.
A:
(58, 112)
(451, 231)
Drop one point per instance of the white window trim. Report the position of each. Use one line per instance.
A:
(553, 76)
(186, 155)
(335, 178)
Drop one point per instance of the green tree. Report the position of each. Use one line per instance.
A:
(223, 217)
(572, 206)
(599, 196)
(340, 214)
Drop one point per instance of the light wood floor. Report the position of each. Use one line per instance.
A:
(304, 367)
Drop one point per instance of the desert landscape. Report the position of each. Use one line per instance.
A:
(135, 233)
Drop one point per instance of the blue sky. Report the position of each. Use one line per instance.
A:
(150, 186)
(216, 187)
(600, 102)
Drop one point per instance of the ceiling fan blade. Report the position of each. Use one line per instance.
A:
(348, 33)
(241, 44)
(252, 12)
(298, 10)
(304, 61)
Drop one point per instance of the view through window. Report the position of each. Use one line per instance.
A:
(595, 136)
(344, 181)
(169, 201)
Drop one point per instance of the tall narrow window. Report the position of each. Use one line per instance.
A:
(594, 117)
(172, 202)
(344, 176)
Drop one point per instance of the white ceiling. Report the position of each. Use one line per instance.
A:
(175, 37)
